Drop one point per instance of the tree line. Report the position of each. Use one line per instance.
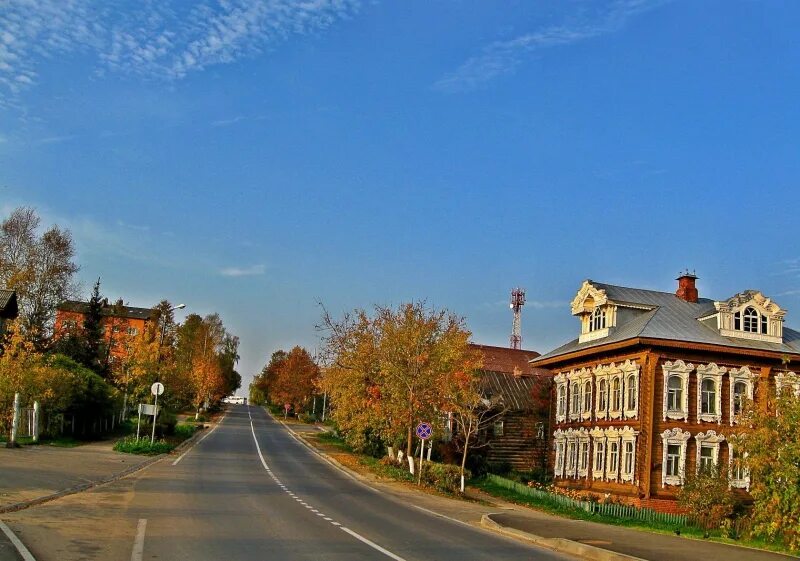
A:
(99, 366)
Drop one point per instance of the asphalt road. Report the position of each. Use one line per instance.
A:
(250, 491)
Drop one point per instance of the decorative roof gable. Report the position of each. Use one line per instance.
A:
(588, 298)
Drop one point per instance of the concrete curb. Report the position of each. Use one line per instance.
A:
(22, 505)
(560, 545)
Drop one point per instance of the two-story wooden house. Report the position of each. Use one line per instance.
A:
(653, 385)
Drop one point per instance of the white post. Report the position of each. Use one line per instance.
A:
(430, 447)
(324, 403)
(410, 464)
(421, 451)
(139, 422)
(15, 421)
(155, 416)
(36, 412)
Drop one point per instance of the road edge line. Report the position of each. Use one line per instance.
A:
(560, 545)
(17, 543)
(206, 435)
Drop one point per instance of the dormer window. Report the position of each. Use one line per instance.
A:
(750, 321)
(749, 315)
(598, 319)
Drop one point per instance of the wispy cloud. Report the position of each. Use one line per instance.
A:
(503, 57)
(55, 139)
(227, 122)
(535, 304)
(159, 39)
(253, 270)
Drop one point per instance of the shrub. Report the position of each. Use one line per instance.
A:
(132, 445)
(708, 497)
(185, 431)
(477, 464)
(307, 418)
(166, 423)
(443, 477)
(499, 468)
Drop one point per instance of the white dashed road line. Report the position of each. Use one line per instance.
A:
(356, 535)
(138, 543)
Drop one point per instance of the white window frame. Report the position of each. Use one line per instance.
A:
(571, 455)
(682, 371)
(616, 412)
(736, 375)
(575, 399)
(714, 373)
(627, 436)
(739, 483)
(588, 399)
(676, 437)
(630, 371)
(561, 401)
(708, 439)
(599, 446)
(601, 374)
(584, 442)
(612, 442)
(559, 443)
(787, 379)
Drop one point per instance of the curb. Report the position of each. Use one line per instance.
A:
(22, 505)
(560, 545)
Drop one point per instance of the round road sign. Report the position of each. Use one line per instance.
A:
(424, 431)
(157, 388)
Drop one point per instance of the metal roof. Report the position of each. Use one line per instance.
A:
(671, 318)
(8, 303)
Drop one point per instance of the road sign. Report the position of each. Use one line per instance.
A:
(157, 388)
(424, 431)
(147, 409)
(287, 406)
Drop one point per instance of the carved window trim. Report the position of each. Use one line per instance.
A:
(615, 396)
(627, 436)
(599, 457)
(602, 383)
(787, 379)
(575, 401)
(630, 371)
(713, 373)
(559, 444)
(682, 371)
(708, 439)
(584, 443)
(735, 376)
(561, 397)
(675, 437)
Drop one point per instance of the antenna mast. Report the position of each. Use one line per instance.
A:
(517, 301)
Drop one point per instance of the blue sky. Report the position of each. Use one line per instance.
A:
(255, 158)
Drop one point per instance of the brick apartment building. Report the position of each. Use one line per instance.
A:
(119, 322)
(653, 385)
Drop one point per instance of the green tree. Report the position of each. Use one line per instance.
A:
(96, 351)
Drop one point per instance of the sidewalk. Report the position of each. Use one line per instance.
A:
(544, 528)
(33, 473)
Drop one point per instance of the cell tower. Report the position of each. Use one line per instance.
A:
(517, 301)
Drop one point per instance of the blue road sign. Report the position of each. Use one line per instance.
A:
(424, 431)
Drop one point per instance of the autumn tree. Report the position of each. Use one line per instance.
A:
(770, 450)
(39, 267)
(389, 371)
(295, 379)
(263, 381)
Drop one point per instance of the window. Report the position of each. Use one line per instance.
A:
(738, 474)
(674, 394)
(706, 459)
(133, 332)
(562, 401)
(599, 457)
(575, 399)
(602, 395)
(630, 386)
(629, 456)
(587, 397)
(673, 460)
(571, 457)
(708, 397)
(613, 459)
(497, 428)
(584, 465)
(739, 395)
(559, 458)
(597, 319)
(674, 456)
(750, 322)
(616, 394)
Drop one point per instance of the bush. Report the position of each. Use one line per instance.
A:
(708, 497)
(307, 418)
(477, 464)
(166, 423)
(132, 445)
(185, 431)
(443, 477)
(499, 468)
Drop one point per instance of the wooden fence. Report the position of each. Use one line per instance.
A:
(614, 510)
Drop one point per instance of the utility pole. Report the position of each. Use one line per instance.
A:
(517, 301)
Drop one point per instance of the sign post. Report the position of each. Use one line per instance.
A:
(156, 389)
(424, 431)
(286, 407)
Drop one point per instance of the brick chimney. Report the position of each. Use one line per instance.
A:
(686, 288)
